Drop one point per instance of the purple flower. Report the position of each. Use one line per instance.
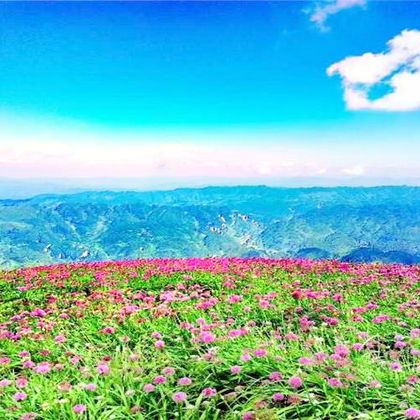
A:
(295, 382)
(79, 408)
(179, 397)
(412, 413)
(20, 396)
(208, 392)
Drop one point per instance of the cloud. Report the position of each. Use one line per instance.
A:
(396, 70)
(354, 171)
(52, 150)
(322, 12)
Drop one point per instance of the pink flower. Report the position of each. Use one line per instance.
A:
(108, 330)
(208, 392)
(246, 357)
(65, 387)
(235, 370)
(90, 387)
(278, 396)
(234, 298)
(400, 344)
(28, 364)
(102, 369)
(21, 382)
(357, 346)
(4, 360)
(395, 366)
(342, 350)
(305, 361)
(168, 371)
(156, 335)
(60, 338)
(335, 383)
(275, 376)
(159, 344)
(207, 337)
(5, 382)
(249, 415)
(20, 396)
(149, 388)
(412, 413)
(179, 397)
(260, 353)
(159, 380)
(79, 408)
(295, 382)
(185, 381)
(29, 416)
(374, 384)
(42, 368)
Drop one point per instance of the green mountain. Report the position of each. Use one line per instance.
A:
(352, 224)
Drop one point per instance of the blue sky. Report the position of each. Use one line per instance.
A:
(168, 82)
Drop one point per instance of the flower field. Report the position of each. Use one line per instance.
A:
(210, 339)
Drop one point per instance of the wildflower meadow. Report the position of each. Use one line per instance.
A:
(210, 338)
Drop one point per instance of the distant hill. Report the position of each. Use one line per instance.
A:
(352, 224)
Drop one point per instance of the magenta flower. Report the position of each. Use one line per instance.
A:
(20, 396)
(335, 383)
(185, 381)
(103, 369)
(159, 344)
(5, 382)
(278, 397)
(295, 382)
(275, 376)
(60, 338)
(29, 416)
(246, 357)
(21, 382)
(208, 392)
(207, 337)
(179, 397)
(79, 408)
(260, 352)
(395, 366)
(148, 388)
(168, 371)
(235, 370)
(42, 368)
(90, 387)
(412, 413)
(159, 380)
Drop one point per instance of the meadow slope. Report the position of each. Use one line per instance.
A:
(210, 339)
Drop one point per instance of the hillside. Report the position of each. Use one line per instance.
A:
(352, 224)
(216, 338)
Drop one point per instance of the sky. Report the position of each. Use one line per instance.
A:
(221, 92)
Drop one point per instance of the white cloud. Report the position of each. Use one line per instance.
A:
(59, 150)
(397, 69)
(354, 171)
(323, 11)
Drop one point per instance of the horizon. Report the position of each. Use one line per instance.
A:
(150, 91)
(28, 191)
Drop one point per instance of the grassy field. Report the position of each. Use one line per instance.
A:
(210, 339)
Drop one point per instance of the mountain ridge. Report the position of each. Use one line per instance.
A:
(350, 223)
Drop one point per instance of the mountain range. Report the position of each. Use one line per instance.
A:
(347, 223)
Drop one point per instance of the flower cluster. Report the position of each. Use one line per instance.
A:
(210, 338)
